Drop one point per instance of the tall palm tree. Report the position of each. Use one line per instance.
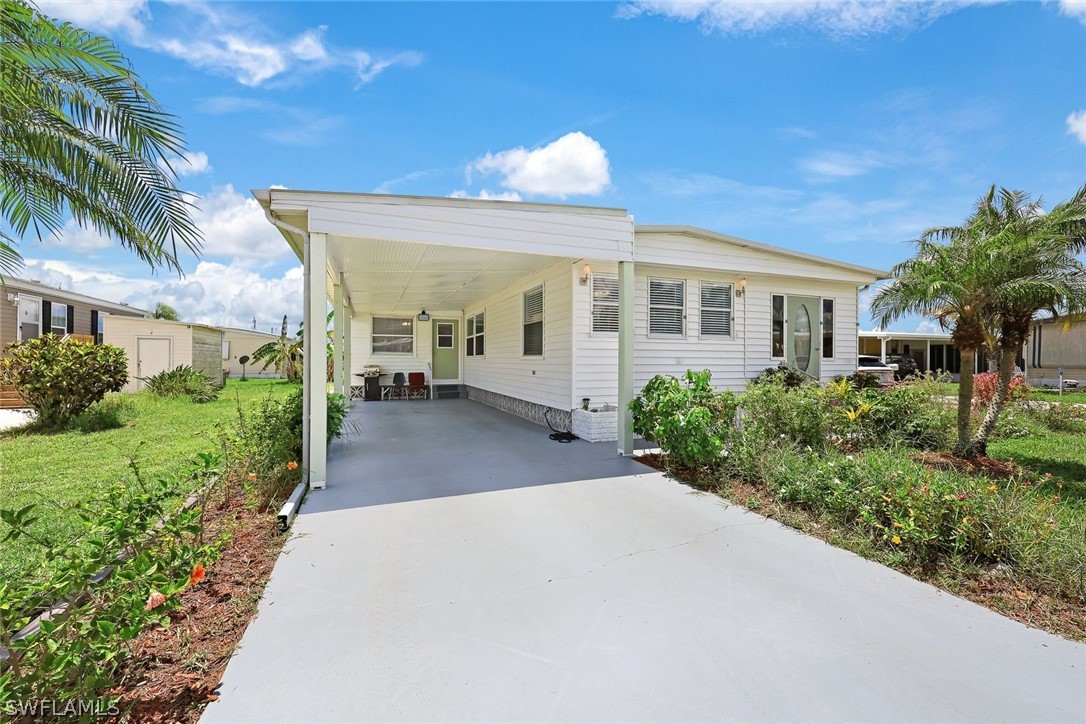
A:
(945, 280)
(1035, 267)
(81, 135)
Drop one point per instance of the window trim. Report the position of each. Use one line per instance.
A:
(730, 309)
(784, 326)
(542, 321)
(414, 336)
(648, 301)
(52, 315)
(833, 327)
(100, 332)
(475, 335)
(451, 335)
(592, 306)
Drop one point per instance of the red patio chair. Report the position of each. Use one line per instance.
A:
(416, 385)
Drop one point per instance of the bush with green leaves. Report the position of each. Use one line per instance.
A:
(154, 549)
(773, 408)
(182, 381)
(689, 419)
(783, 374)
(107, 414)
(61, 378)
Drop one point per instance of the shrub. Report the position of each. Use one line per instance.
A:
(984, 386)
(783, 374)
(182, 381)
(772, 408)
(688, 419)
(107, 414)
(62, 378)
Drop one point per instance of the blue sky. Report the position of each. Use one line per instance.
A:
(836, 128)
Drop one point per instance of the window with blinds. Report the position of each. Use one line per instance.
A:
(476, 335)
(604, 303)
(533, 322)
(395, 335)
(667, 306)
(716, 309)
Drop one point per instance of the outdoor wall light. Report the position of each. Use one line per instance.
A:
(586, 272)
(423, 316)
(741, 287)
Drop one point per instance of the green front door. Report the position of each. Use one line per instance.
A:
(804, 335)
(446, 349)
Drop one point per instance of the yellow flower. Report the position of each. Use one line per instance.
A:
(991, 488)
(896, 540)
(898, 525)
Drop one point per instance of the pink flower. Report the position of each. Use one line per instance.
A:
(961, 496)
(154, 600)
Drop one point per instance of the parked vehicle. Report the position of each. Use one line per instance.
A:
(906, 365)
(872, 365)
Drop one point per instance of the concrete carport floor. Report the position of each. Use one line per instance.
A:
(461, 566)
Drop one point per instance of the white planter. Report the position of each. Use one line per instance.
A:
(599, 426)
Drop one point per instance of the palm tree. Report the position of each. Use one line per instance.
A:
(1035, 267)
(82, 136)
(946, 281)
(283, 354)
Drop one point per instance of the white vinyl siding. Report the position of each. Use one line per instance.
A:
(667, 307)
(604, 303)
(393, 335)
(716, 309)
(532, 323)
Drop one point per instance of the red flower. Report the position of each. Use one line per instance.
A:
(154, 600)
(292, 465)
(197, 575)
(961, 496)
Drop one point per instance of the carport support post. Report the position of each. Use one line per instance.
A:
(625, 356)
(316, 357)
(346, 310)
(339, 373)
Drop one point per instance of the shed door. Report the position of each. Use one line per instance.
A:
(152, 356)
(804, 346)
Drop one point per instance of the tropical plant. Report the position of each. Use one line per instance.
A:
(948, 280)
(182, 381)
(83, 136)
(61, 378)
(283, 354)
(164, 311)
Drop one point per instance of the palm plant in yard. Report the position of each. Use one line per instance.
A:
(945, 280)
(82, 136)
(282, 354)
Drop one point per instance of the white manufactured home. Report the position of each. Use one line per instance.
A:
(533, 307)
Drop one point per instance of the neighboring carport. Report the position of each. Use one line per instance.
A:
(461, 566)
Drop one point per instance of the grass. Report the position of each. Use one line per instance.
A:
(161, 435)
(950, 389)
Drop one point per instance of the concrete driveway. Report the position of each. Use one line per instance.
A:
(463, 567)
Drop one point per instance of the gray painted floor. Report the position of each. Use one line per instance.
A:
(462, 567)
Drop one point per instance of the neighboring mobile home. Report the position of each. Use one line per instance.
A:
(157, 345)
(533, 307)
(30, 308)
(238, 343)
(1054, 345)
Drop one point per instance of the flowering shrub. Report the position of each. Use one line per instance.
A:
(154, 550)
(62, 378)
(984, 386)
(689, 419)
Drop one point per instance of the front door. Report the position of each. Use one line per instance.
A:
(804, 335)
(29, 318)
(446, 349)
(153, 355)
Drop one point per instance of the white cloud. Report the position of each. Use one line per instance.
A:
(75, 238)
(841, 164)
(129, 16)
(927, 326)
(310, 45)
(213, 293)
(837, 18)
(486, 194)
(1074, 9)
(1076, 124)
(191, 163)
(575, 164)
(292, 126)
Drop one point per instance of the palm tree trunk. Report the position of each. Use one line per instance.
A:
(964, 447)
(1005, 365)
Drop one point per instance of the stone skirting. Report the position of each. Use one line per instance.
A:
(530, 411)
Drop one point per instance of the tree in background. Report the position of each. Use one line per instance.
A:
(81, 135)
(164, 311)
(284, 354)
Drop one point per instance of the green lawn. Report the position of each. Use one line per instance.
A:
(1035, 393)
(161, 434)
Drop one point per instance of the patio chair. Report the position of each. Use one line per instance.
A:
(399, 386)
(416, 385)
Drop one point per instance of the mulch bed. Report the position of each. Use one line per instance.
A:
(174, 672)
(994, 588)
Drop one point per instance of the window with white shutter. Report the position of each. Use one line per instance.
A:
(533, 322)
(604, 303)
(716, 309)
(667, 307)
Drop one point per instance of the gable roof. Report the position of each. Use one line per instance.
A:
(30, 286)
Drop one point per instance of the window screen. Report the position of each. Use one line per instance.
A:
(716, 309)
(667, 299)
(604, 303)
(395, 335)
(533, 321)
